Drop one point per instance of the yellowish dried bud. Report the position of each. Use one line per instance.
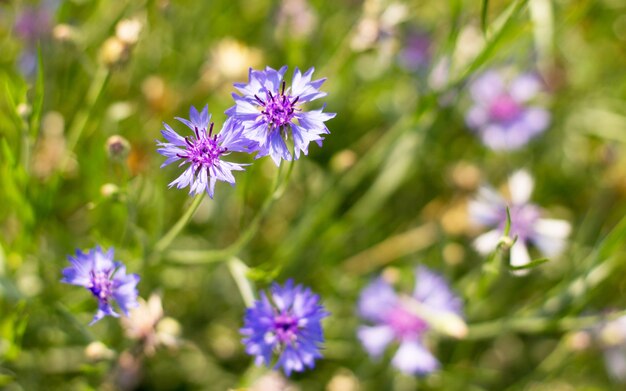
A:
(113, 51)
(97, 351)
(128, 30)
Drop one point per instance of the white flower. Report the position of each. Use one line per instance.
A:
(527, 223)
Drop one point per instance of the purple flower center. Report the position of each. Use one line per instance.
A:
(204, 150)
(286, 327)
(278, 110)
(404, 323)
(101, 284)
(523, 218)
(504, 109)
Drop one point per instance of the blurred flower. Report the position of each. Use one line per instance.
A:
(609, 336)
(50, 151)
(489, 210)
(117, 147)
(33, 23)
(272, 381)
(145, 324)
(501, 113)
(117, 49)
(268, 110)
(113, 52)
(128, 31)
(416, 51)
(97, 351)
(229, 60)
(378, 26)
(287, 323)
(296, 19)
(106, 279)
(65, 33)
(407, 319)
(204, 151)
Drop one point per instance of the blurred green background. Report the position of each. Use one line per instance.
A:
(387, 191)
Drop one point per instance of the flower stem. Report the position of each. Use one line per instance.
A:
(208, 256)
(167, 239)
(79, 123)
(536, 325)
(238, 270)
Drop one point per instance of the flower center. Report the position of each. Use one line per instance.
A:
(278, 110)
(404, 323)
(204, 150)
(285, 327)
(523, 218)
(504, 109)
(101, 284)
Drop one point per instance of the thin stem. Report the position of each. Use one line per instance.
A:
(167, 239)
(278, 188)
(536, 325)
(80, 121)
(238, 270)
(209, 256)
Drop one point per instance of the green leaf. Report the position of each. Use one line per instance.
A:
(507, 224)
(37, 101)
(530, 265)
(483, 16)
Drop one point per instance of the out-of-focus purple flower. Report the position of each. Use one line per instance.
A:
(395, 318)
(416, 52)
(105, 278)
(204, 151)
(270, 111)
(489, 210)
(502, 115)
(286, 323)
(611, 337)
(33, 23)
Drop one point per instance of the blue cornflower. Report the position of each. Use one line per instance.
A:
(106, 279)
(287, 323)
(269, 111)
(204, 151)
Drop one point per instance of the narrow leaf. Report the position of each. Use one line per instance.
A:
(483, 16)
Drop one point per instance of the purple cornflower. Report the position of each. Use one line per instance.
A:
(416, 52)
(204, 151)
(395, 318)
(106, 279)
(33, 24)
(269, 110)
(501, 114)
(489, 210)
(287, 323)
(611, 338)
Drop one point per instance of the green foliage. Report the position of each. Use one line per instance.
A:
(387, 191)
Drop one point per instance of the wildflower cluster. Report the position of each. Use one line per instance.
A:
(260, 122)
(288, 320)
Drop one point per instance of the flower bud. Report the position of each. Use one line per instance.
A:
(117, 147)
(113, 51)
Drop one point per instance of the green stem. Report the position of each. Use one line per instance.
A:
(100, 79)
(238, 270)
(536, 325)
(209, 256)
(167, 239)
